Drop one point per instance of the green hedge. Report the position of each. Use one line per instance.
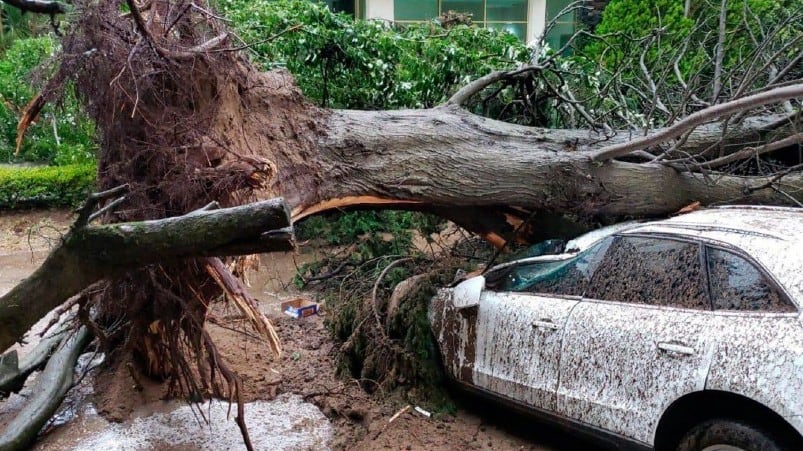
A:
(45, 185)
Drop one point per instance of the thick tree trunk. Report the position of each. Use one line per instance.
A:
(447, 157)
(88, 254)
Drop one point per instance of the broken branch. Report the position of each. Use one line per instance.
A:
(90, 253)
(51, 386)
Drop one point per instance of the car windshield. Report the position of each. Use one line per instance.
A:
(569, 276)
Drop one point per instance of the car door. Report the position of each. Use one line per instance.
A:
(521, 324)
(518, 345)
(639, 339)
(760, 351)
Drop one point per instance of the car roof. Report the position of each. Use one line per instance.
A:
(779, 223)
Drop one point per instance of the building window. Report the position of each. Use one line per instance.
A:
(415, 10)
(510, 15)
(564, 26)
(354, 7)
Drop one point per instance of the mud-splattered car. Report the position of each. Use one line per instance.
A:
(682, 334)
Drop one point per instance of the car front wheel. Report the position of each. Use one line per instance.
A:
(728, 435)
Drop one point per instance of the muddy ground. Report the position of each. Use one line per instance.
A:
(306, 368)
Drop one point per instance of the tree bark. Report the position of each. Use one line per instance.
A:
(447, 157)
(88, 254)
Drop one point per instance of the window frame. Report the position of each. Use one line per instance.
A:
(359, 6)
(667, 237)
(560, 20)
(703, 245)
(484, 21)
(768, 276)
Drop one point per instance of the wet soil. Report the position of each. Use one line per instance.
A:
(307, 368)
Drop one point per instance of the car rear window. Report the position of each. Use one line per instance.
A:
(736, 284)
(651, 271)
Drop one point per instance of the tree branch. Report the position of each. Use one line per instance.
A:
(51, 386)
(720, 51)
(751, 151)
(90, 253)
(465, 93)
(699, 118)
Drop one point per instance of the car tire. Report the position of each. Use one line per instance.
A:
(724, 434)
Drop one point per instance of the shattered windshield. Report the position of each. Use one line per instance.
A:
(568, 277)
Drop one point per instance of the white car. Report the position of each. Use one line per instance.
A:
(682, 334)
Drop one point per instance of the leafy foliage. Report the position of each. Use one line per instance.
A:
(663, 33)
(375, 232)
(61, 135)
(347, 63)
(63, 186)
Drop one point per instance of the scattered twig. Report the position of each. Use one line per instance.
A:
(393, 418)
(376, 288)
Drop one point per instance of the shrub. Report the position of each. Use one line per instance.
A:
(347, 63)
(45, 185)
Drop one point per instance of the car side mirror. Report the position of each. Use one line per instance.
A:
(467, 293)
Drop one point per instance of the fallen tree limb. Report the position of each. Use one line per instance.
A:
(12, 377)
(89, 253)
(51, 386)
(700, 117)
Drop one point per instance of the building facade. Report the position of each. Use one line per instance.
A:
(524, 18)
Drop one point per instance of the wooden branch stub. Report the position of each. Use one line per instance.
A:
(86, 211)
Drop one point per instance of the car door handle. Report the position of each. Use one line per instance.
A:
(545, 324)
(675, 348)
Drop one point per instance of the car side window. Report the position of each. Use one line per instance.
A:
(736, 284)
(565, 277)
(652, 271)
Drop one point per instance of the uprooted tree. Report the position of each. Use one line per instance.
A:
(185, 119)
